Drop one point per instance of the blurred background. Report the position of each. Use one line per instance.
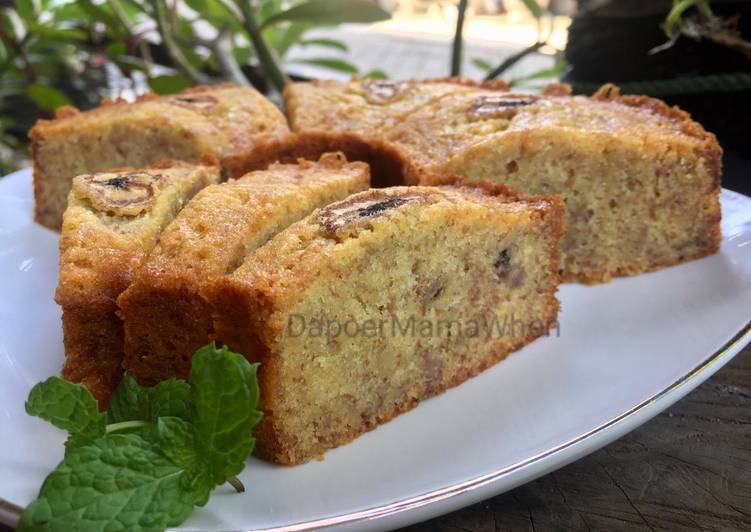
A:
(691, 53)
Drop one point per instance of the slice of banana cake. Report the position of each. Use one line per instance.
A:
(166, 318)
(113, 220)
(390, 296)
(220, 120)
(641, 179)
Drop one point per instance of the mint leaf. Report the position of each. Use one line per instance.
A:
(165, 447)
(177, 440)
(119, 482)
(130, 401)
(225, 396)
(172, 398)
(68, 406)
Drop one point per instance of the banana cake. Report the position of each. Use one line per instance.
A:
(364, 108)
(641, 180)
(112, 221)
(373, 303)
(220, 120)
(166, 318)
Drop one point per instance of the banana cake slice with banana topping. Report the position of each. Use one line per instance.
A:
(371, 304)
(166, 318)
(641, 179)
(112, 221)
(220, 120)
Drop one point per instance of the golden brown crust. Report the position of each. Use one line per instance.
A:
(500, 190)
(99, 252)
(492, 84)
(247, 307)
(607, 93)
(557, 89)
(94, 328)
(388, 165)
(166, 318)
(418, 155)
(219, 120)
(711, 148)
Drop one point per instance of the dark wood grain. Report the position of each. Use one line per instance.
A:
(687, 469)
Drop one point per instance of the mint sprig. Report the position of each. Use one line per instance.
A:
(155, 454)
(221, 418)
(172, 397)
(69, 407)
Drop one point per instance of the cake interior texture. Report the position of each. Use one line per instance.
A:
(112, 221)
(374, 303)
(641, 180)
(166, 317)
(219, 121)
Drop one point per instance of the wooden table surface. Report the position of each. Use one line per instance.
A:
(689, 468)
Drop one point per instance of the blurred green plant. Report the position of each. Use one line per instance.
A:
(544, 21)
(74, 52)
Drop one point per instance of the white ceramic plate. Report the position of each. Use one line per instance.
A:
(626, 351)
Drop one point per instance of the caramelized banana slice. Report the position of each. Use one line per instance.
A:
(118, 193)
(200, 102)
(500, 106)
(347, 217)
(383, 91)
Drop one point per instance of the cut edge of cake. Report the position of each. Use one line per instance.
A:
(249, 305)
(170, 138)
(164, 312)
(113, 219)
(701, 145)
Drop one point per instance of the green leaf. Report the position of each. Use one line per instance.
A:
(243, 54)
(119, 482)
(481, 64)
(68, 406)
(99, 13)
(513, 59)
(178, 441)
(290, 36)
(172, 398)
(225, 396)
(328, 43)
(533, 8)
(63, 34)
(68, 12)
(129, 62)
(169, 84)
(115, 49)
(375, 74)
(130, 401)
(219, 14)
(183, 440)
(25, 10)
(325, 12)
(47, 98)
(333, 64)
(199, 6)
(553, 72)
(267, 8)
